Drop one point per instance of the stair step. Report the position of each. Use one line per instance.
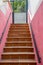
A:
(19, 35)
(18, 62)
(18, 49)
(18, 55)
(19, 43)
(25, 26)
(18, 32)
(19, 39)
(22, 27)
(19, 27)
(11, 35)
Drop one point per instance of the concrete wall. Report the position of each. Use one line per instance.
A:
(37, 25)
(3, 20)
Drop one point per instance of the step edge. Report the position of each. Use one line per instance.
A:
(5, 61)
(18, 53)
(19, 47)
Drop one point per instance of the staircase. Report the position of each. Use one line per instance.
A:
(18, 49)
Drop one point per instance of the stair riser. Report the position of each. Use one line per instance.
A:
(19, 39)
(18, 49)
(21, 28)
(25, 26)
(19, 32)
(18, 63)
(19, 24)
(13, 32)
(23, 34)
(18, 28)
(18, 56)
(18, 35)
(18, 44)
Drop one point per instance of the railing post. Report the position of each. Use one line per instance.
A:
(13, 12)
(26, 11)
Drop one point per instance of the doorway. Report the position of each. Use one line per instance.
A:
(19, 11)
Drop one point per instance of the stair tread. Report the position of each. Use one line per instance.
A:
(19, 25)
(19, 41)
(19, 37)
(19, 47)
(19, 30)
(18, 60)
(21, 33)
(18, 53)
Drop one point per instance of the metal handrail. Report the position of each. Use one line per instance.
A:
(37, 52)
(5, 28)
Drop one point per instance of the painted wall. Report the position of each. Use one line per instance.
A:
(4, 6)
(33, 6)
(3, 20)
(37, 25)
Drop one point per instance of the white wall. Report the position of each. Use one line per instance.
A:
(3, 6)
(33, 6)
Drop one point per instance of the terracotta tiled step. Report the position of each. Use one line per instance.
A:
(19, 31)
(22, 27)
(18, 28)
(18, 62)
(26, 27)
(19, 43)
(18, 55)
(19, 25)
(18, 49)
(19, 35)
(18, 39)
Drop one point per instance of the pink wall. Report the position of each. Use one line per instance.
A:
(3, 21)
(37, 25)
